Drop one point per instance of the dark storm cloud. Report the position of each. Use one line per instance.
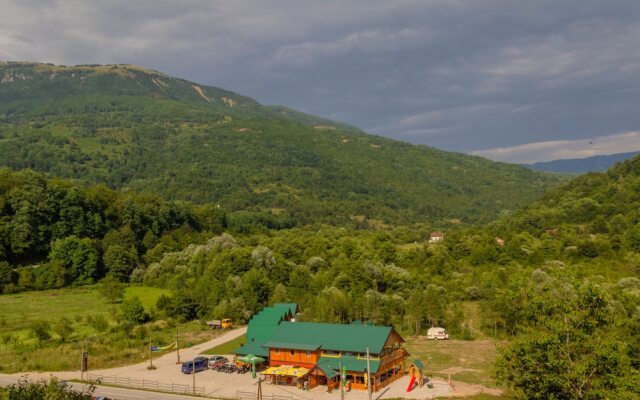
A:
(483, 76)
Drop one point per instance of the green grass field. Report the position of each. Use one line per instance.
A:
(92, 321)
(228, 347)
(466, 361)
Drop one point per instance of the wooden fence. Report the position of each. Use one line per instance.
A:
(147, 384)
(253, 396)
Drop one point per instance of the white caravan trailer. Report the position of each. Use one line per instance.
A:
(437, 333)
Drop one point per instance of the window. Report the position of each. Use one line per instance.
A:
(292, 352)
(308, 353)
(276, 351)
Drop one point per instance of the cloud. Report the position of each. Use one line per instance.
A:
(368, 41)
(456, 75)
(564, 149)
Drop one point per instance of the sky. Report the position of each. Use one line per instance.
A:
(515, 81)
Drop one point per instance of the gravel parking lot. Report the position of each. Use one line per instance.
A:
(225, 385)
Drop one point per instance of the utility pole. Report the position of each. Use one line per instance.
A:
(342, 377)
(177, 345)
(368, 375)
(82, 362)
(150, 355)
(193, 371)
(259, 396)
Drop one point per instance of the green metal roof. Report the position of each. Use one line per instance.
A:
(337, 337)
(418, 363)
(351, 363)
(261, 328)
(252, 348)
(328, 371)
(295, 346)
(292, 307)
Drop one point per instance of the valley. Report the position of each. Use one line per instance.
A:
(132, 203)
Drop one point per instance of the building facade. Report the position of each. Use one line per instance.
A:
(318, 352)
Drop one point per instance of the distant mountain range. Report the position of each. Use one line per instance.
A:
(582, 165)
(137, 129)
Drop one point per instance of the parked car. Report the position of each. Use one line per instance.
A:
(437, 333)
(216, 360)
(198, 364)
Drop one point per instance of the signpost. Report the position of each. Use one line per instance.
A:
(84, 363)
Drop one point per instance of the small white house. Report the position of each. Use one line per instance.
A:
(435, 237)
(437, 333)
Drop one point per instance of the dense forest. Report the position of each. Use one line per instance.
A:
(517, 279)
(136, 129)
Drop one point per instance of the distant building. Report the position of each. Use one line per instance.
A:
(499, 241)
(436, 237)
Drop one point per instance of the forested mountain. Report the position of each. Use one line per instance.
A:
(561, 288)
(582, 165)
(136, 129)
(598, 203)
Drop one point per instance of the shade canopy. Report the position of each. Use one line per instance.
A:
(286, 370)
(251, 359)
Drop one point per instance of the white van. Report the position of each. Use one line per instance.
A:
(437, 334)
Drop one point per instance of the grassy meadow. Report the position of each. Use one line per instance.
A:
(227, 347)
(80, 315)
(467, 361)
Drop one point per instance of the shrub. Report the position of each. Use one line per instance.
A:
(133, 311)
(63, 328)
(53, 389)
(98, 322)
(40, 330)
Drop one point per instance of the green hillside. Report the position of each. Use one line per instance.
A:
(596, 203)
(141, 130)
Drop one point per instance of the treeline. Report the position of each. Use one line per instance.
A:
(54, 233)
(596, 203)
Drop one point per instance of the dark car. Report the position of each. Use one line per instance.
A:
(198, 364)
(216, 360)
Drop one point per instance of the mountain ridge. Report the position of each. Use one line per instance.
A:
(599, 163)
(138, 129)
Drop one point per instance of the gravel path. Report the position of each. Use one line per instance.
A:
(226, 386)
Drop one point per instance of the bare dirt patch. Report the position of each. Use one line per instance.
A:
(229, 102)
(199, 90)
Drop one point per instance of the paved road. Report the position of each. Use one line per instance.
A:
(110, 392)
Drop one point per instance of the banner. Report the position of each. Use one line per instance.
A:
(162, 348)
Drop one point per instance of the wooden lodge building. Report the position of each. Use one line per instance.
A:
(317, 352)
